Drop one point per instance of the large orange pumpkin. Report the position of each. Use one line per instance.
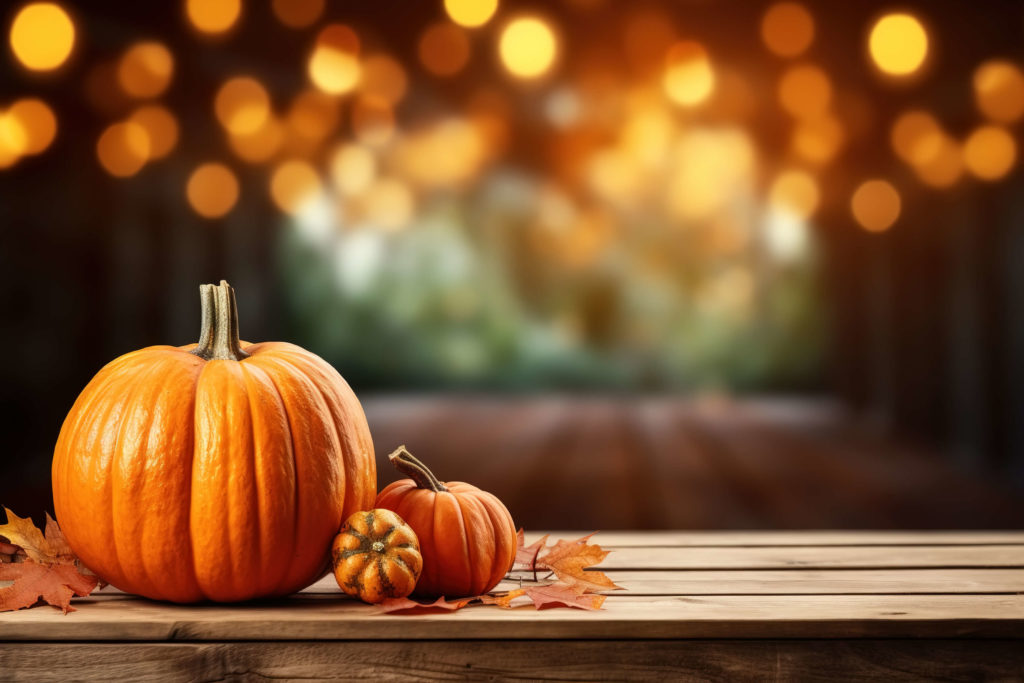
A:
(215, 471)
(467, 537)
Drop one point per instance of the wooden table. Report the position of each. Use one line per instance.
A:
(739, 605)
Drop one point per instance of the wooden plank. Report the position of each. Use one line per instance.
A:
(322, 617)
(789, 581)
(819, 557)
(572, 660)
(715, 539)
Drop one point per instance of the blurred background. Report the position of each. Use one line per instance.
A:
(647, 264)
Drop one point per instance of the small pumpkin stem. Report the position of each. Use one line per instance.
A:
(218, 336)
(406, 463)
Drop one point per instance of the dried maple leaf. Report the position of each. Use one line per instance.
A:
(503, 600)
(526, 555)
(563, 595)
(569, 561)
(405, 605)
(41, 566)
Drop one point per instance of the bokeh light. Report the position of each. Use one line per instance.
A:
(648, 37)
(213, 16)
(818, 140)
(42, 36)
(298, 13)
(373, 121)
(470, 13)
(334, 63)
(38, 123)
(13, 139)
(875, 205)
(794, 192)
(260, 145)
(353, 168)
(999, 90)
(293, 184)
(916, 136)
(145, 69)
(898, 44)
(443, 49)
(123, 149)
(805, 91)
(528, 47)
(313, 115)
(212, 190)
(787, 29)
(160, 125)
(242, 105)
(445, 155)
(944, 165)
(388, 204)
(688, 78)
(990, 152)
(384, 77)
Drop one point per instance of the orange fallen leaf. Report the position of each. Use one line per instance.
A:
(563, 595)
(570, 560)
(42, 567)
(405, 605)
(503, 600)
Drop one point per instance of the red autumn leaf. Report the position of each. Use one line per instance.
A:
(41, 566)
(570, 560)
(563, 595)
(526, 555)
(407, 606)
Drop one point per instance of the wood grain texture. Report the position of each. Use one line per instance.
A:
(718, 539)
(326, 617)
(569, 660)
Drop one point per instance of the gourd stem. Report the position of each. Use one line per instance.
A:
(406, 463)
(218, 336)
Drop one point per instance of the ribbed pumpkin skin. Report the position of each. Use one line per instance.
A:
(183, 479)
(467, 536)
(376, 556)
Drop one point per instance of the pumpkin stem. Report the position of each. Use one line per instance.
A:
(406, 463)
(218, 337)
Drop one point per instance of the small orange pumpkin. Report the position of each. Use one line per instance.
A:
(467, 536)
(213, 471)
(376, 556)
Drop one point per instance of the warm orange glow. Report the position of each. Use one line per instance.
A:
(13, 139)
(385, 78)
(944, 164)
(313, 116)
(212, 190)
(334, 64)
(688, 78)
(794, 192)
(373, 121)
(353, 169)
(990, 152)
(875, 205)
(528, 47)
(447, 155)
(787, 29)
(710, 168)
(161, 127)
(805, 91)
(123, 149)
(293, 184)
(260, 145)
(213, 16)
(916, 137)
(42, 36)
(470, 13)
(298, 13)
(145, 70)
(38, 123)
(999, 90)
(898, 44)
(444, 49)
(242, 105)
(388, 204)
(818, 140)
(647, 39)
